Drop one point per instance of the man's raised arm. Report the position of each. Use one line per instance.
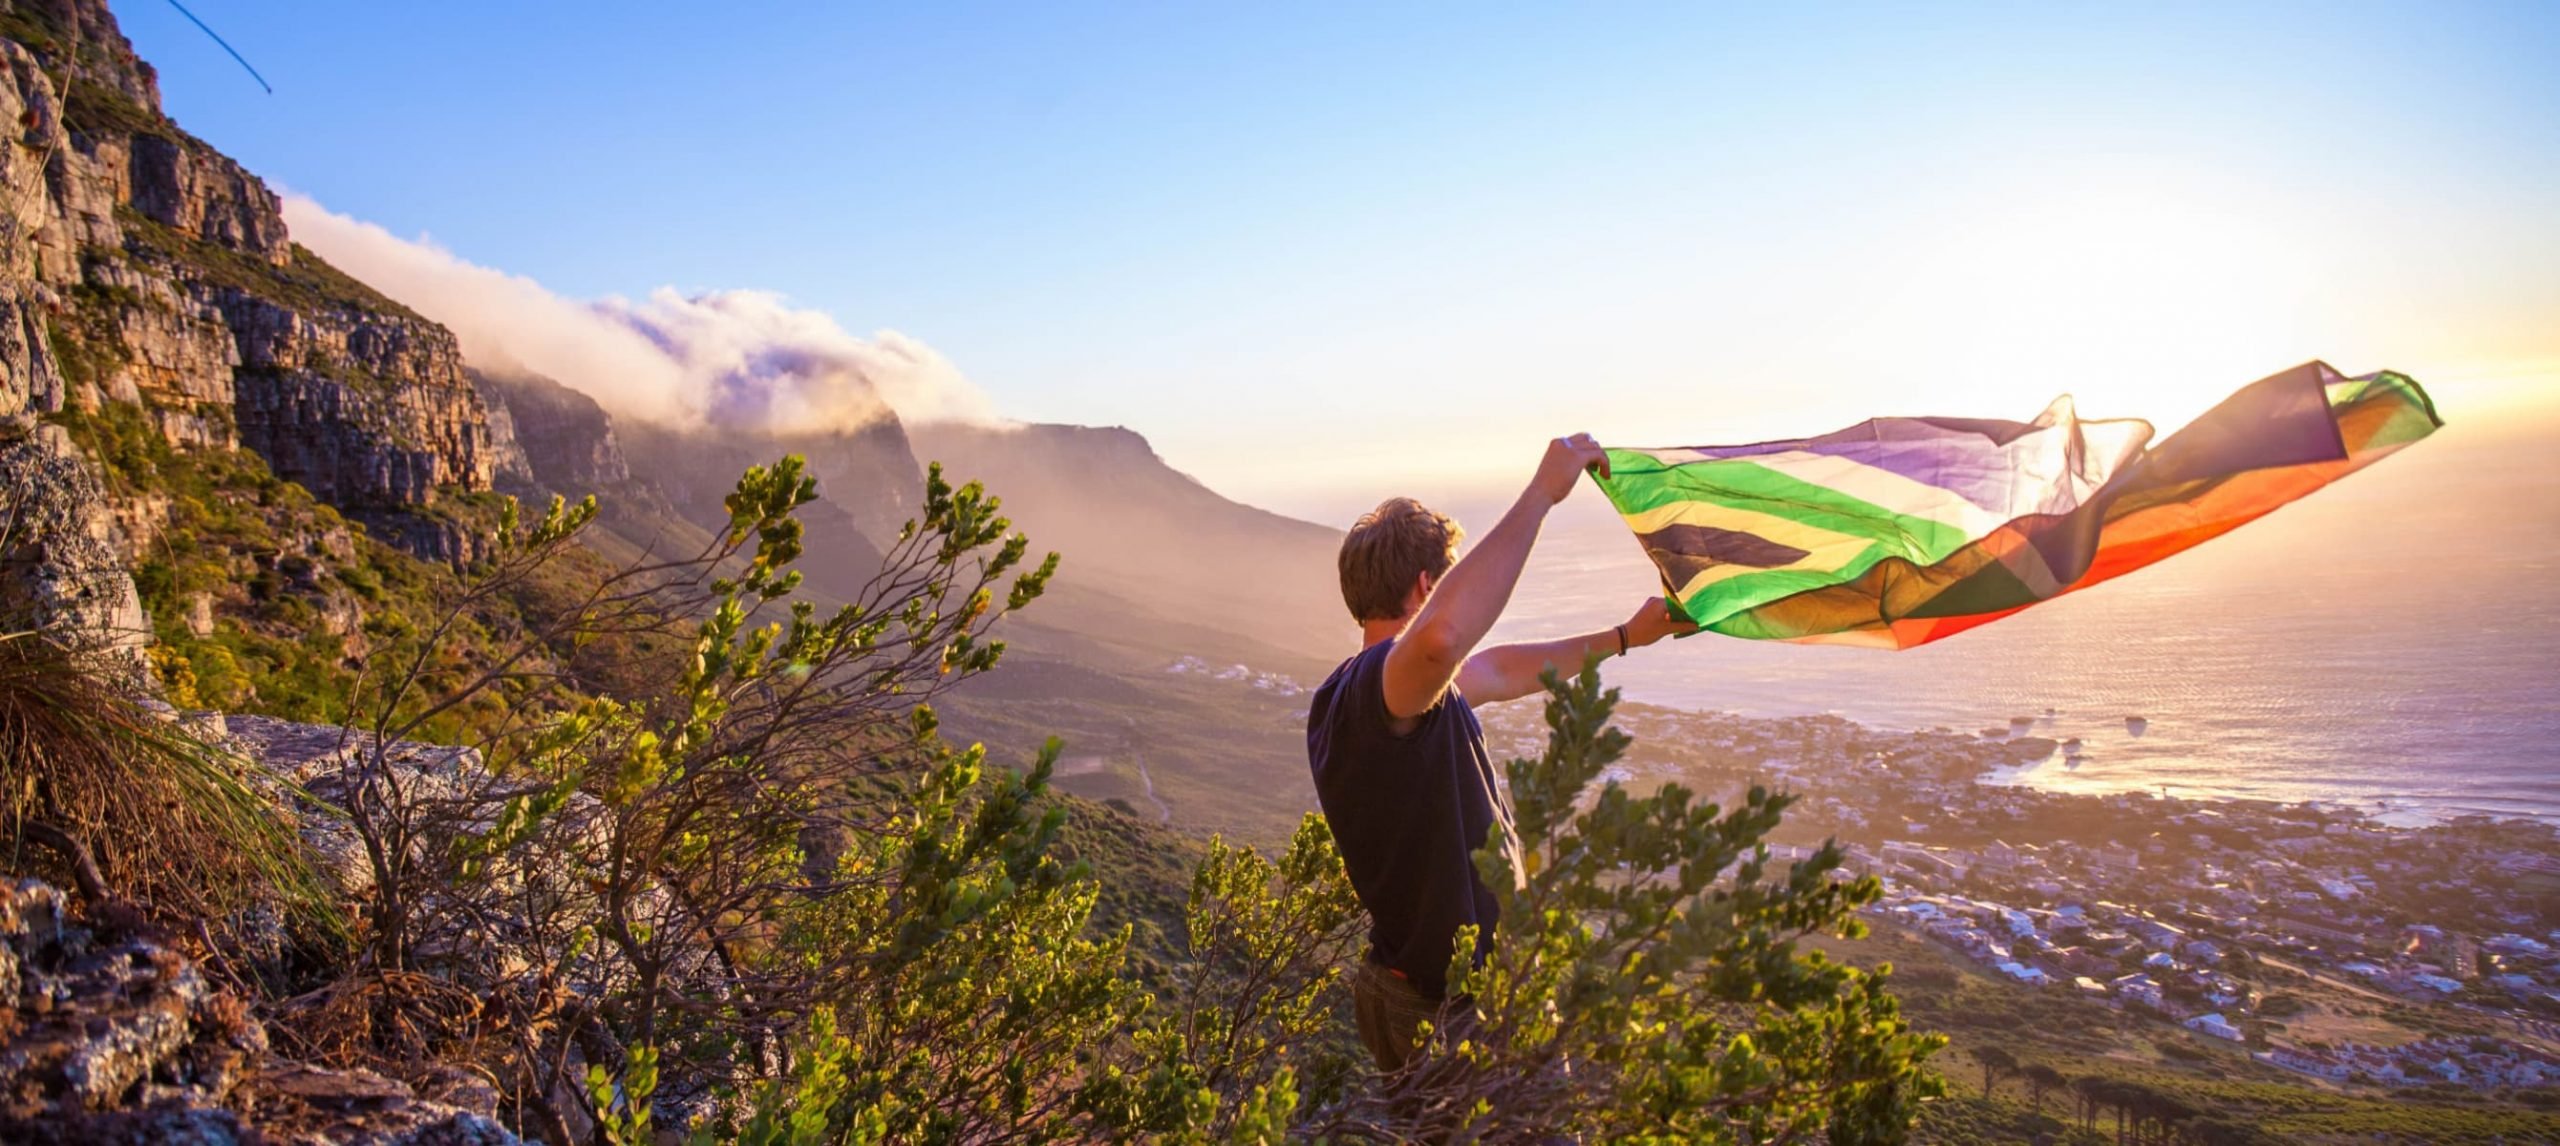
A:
(1505, 672)
(1466, 602)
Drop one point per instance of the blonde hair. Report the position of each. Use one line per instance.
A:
(1387, 548)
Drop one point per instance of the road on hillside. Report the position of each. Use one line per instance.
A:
(1164, 811)
(2326, 979)
(2536, 1031)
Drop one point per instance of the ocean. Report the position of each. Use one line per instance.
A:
(2389, 644)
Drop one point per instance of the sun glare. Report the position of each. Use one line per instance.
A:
(2147, 299)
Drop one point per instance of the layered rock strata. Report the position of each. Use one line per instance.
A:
(138, 265)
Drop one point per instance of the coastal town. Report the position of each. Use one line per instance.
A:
(2315, 938)
(2234, 920)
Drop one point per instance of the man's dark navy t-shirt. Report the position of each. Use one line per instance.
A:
(1408, 813)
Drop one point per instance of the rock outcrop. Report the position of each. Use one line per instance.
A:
(365, 410)
(109, 1034)
(564, 441)
(306, 762)
(504, 940)
(29, 378)
(60, 549)
(509, 469)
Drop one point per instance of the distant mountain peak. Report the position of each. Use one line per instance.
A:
(1129, 524)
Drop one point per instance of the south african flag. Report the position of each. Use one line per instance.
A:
(1899, 531)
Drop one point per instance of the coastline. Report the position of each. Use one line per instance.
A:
(2172, 756)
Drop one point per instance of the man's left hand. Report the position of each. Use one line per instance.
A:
(1654, 621)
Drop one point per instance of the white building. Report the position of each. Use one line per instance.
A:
(2214, 1025)
(2032, 976)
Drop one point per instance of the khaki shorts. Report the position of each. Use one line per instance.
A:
(1390, 1012)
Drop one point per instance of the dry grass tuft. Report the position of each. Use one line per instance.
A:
(390, 1021)
(127, 805)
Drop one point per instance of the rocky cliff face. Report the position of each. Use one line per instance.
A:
(143, 267)
(364, 410)
(60, 552)
(559, 440)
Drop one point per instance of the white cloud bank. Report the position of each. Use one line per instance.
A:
(740, 358)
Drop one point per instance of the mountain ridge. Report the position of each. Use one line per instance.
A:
(1153, 556)
(1148, 531)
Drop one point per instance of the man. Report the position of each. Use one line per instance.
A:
(1399, 760)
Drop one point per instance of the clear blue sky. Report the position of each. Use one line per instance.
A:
(1315, 250)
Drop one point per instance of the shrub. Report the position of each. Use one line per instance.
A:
(778, 830)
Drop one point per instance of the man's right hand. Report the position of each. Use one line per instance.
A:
(1466, 602)
(1564, 464)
